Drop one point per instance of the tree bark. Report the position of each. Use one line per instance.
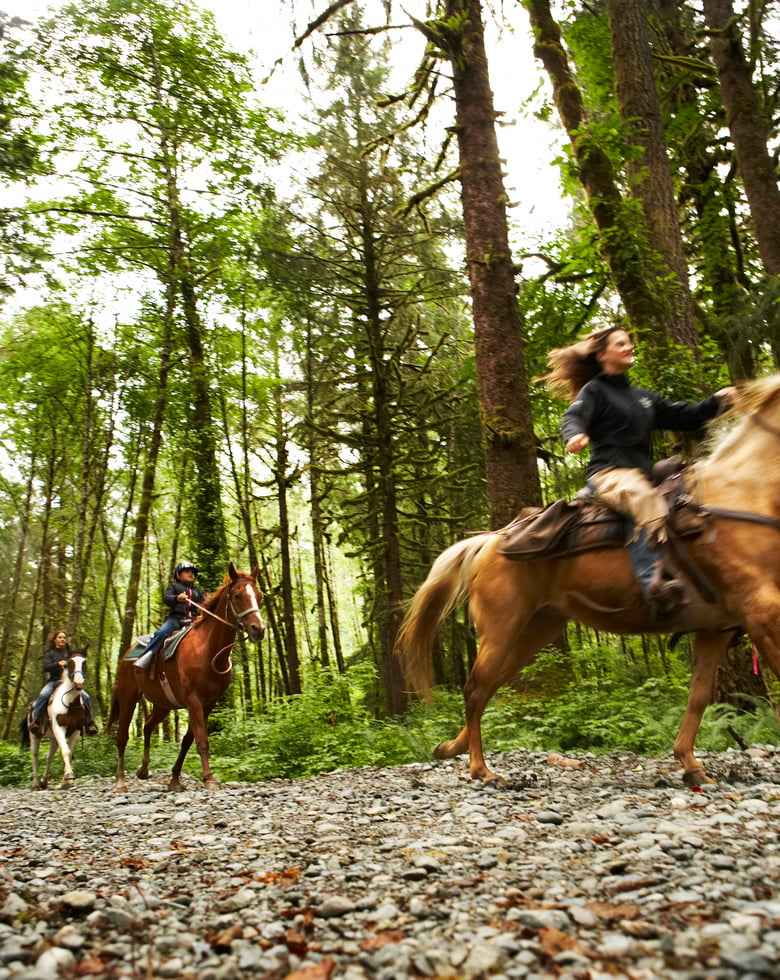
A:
(649, 172)
(147, 483)
(748, 129)
(622, 241)
(507, 424)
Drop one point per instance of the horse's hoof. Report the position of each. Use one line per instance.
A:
(212, 784)
(697, 777)
(121, 787)
(491, 780)
(442, 751)
(142, 772)
(175, 787)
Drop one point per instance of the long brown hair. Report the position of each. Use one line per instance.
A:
(571, 367)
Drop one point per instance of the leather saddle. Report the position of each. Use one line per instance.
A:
(583, 524)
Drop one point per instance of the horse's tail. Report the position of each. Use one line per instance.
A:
(446, 585)
(24, 732)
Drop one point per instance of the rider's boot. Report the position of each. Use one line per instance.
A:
(664, 592)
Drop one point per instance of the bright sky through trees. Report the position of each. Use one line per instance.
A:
(528, 144)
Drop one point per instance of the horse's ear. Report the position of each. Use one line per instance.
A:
(255, 570)
(232, 572)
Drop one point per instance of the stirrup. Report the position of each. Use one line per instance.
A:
(665, 597)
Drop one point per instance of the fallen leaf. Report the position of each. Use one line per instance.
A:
(555, 759)
(89, 967)
(381, 939)
(296, 942)
(613, 912)
(222, 940)
(320, 971)
(553, 941)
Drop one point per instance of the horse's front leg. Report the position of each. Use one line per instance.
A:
(59, 737)
(708, 651)
(196, 732)
(156, 715)
(67, 760)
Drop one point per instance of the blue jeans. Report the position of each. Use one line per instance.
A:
(159, 637)
(46, 692)
(644, 559)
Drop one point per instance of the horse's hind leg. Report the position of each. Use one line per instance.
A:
(49, 758)
(156, 716)
(501, 656)
(707, 653)
(35, 743)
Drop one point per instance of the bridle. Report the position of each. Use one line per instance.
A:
(238, 617)
(237, 625)
(72, 675)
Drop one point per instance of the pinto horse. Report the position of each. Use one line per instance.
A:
(66, 717)
(194, 678)
(520, 606)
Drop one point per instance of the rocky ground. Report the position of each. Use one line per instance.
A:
(601, 868)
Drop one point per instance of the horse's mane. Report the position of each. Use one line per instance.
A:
(751, 397)
(213, 599)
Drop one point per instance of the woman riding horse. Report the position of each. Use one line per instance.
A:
(615, 420)
(55, 658)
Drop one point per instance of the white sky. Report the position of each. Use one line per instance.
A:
(263, 28)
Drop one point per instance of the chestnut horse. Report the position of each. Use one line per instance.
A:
(520, 606)
(65, 718)
(194, 678)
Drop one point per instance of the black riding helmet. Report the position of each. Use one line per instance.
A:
(184, 566)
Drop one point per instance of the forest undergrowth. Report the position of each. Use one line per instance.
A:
(574, 701)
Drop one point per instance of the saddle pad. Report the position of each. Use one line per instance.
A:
(170, 646)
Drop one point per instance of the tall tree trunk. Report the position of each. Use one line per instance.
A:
(281, 477)
(11, 599)
(206, 520)
(147, 483)
(507, 425)
(704, 191)
(621, 242)
(748, 129)
(315, 500)
(649, 171)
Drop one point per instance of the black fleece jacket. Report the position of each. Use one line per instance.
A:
(618, 419)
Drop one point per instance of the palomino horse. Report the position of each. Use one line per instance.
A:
(194, 678)
(520, 606)
(66, 717)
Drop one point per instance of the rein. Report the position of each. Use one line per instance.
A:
(239, 615)
(743, 515)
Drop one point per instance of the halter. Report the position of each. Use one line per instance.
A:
(77, 690)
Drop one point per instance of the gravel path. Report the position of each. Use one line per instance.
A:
(600, 868)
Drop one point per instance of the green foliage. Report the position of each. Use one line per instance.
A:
(323, 729)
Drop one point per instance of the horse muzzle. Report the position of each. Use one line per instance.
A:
(255, 632)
